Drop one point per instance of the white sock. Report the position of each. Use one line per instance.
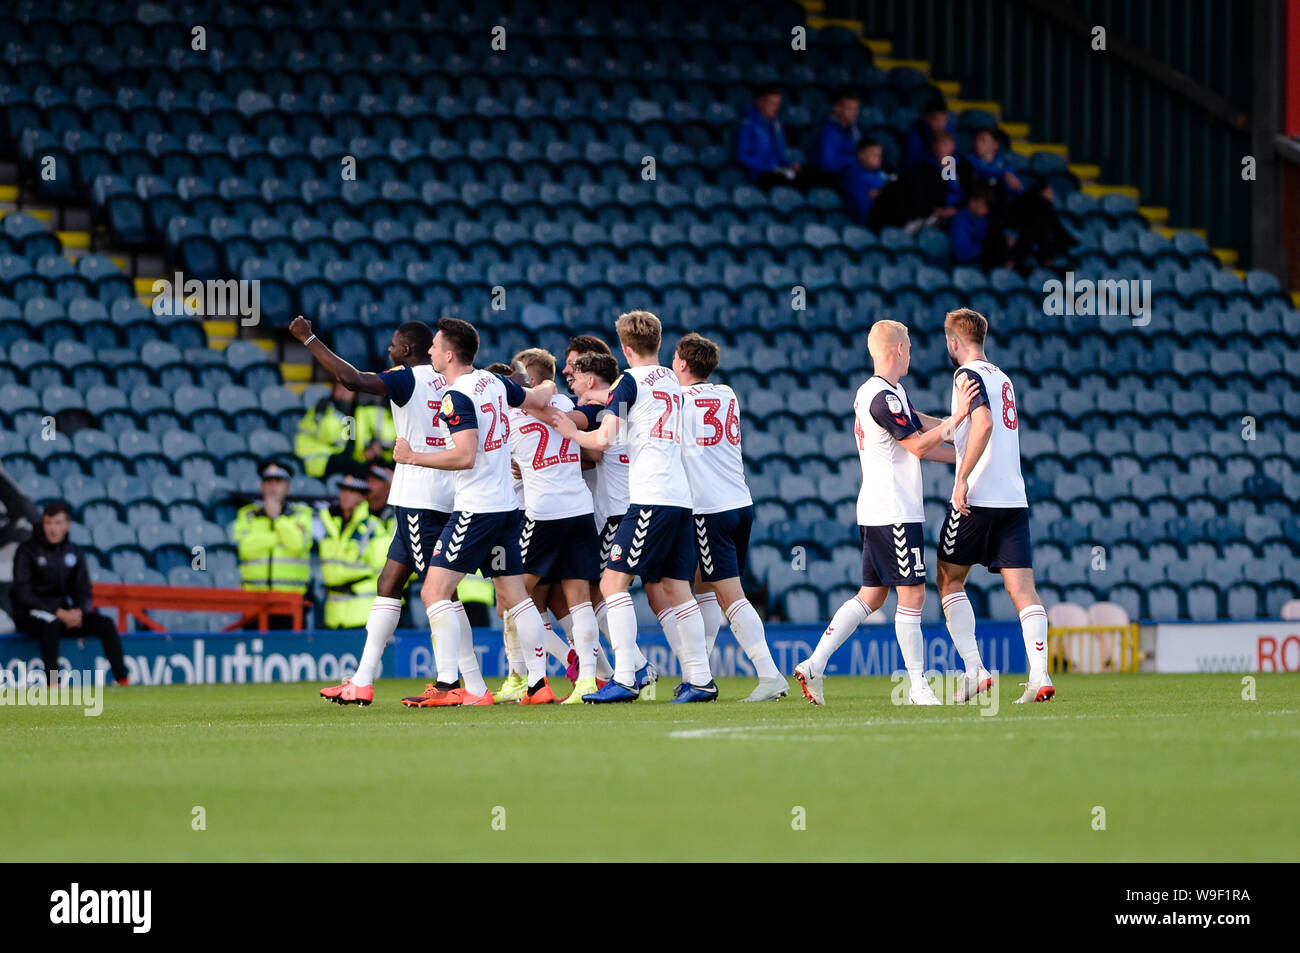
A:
(1033, 626)
(380, 626)
(585, 638)
(690, 629)
(469, 667)
(907, 629)
(668, 619)
(749, 632)
(961, 627)
(514, 654)
(557, 646)
(604, 670)
(444, 630)
(620, 615)
(711, 613)
(563, 627)
(532, 639)
(844, 623)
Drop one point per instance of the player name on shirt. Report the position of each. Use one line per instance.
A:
(416, 395)
(649, 399)
(996, 479)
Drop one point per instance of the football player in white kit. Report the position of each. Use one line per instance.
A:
(988, 522)
(421, 499)
(558, 539)
(591, 374)
(892, 440)
(655, 539)
(722, 507)
(483, 531)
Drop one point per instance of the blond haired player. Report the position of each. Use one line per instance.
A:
(892, 440)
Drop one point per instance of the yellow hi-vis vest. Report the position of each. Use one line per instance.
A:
(274, 553)
(323, 433)
(476, 589)
(352, 554)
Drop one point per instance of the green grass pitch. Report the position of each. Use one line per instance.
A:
(1183, 767)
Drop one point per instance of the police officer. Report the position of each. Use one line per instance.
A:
(353, 548)
(340, 433)
(274, 540)
(379, 479)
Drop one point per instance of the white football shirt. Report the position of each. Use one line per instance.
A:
(996, 479)
(891, 476)
(550, 464)
(478, 399)
(609, 480)
(649, 401)
(415, 395)
(711, 452)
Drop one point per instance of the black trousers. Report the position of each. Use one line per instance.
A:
(93, 625)
(803, 180)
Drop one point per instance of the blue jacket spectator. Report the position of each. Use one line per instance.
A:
(760, 144)
(968, 232)
(920, 134)
(837, 141)
(864, 180)
(987, 166)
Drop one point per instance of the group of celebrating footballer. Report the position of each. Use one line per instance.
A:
(563, 502)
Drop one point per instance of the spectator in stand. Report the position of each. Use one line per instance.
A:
(760, 147)
(920, 134)
(1040, 236)
(987, 166)
(837, 141)
(864, 181)
(933, 189)
(976, 238)
(52, 596)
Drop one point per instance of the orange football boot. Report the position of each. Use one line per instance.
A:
(349, 694)
(469, 700)
(434, 697)
(543, 695)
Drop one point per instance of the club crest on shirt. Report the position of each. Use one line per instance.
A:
(449, 411)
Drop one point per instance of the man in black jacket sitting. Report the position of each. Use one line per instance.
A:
(51, 593)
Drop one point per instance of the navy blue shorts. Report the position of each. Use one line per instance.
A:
(893, 555)
(607, 538)
(992, 536)
(488, 542)
(561, 549)
(722, 542)
(655, 542)
(417, 534)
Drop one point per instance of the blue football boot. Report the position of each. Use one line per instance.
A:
(612, 692)
(695, 693)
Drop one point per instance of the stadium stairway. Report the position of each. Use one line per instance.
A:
(1087, 173)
